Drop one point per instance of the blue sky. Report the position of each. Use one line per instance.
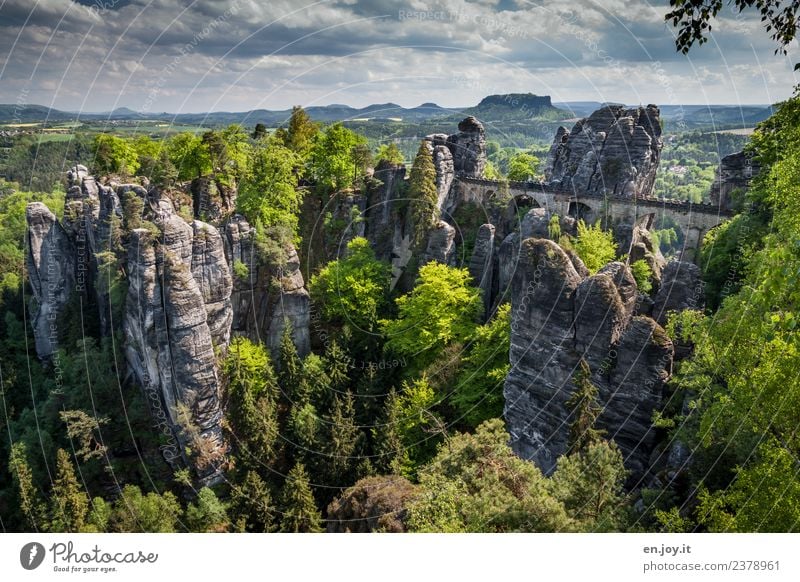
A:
(232, 55)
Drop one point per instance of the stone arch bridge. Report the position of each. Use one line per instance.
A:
(694, 220)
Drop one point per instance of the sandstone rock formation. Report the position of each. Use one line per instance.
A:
(733, 175)
(560, 316)
(51, 274)
(681, 288)
(441, 244)
(444, 164)
(482, 262)
(615, 151)
(468, 148)
(182, 302)
(373, 504)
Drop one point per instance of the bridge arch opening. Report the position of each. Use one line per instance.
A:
(578, 210)
(527, 202)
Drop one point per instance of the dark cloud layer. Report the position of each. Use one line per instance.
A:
(166, 55)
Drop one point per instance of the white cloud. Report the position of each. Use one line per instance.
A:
(245, 54)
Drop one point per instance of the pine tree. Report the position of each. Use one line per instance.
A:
(251, 506)
(289, 374)
(338, 364)
(252, 411)
(423, 192)
(207, 513)
(29, 503)
(342, 439)
(300, 513)
(391, 453)
(69, 503)
(584, 411)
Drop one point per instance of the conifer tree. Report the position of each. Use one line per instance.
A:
(423, 192)
(342, 438)
(300, 513)
(301, 132)
(29, 502)
(338, 364)
(584, 411)
(391, 453)
(289, 374)
(251, 506)
(69, 503)
(252, 410)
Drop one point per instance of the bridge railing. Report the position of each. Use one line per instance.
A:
(683, 206)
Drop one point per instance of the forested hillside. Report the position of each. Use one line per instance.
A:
(388, 415)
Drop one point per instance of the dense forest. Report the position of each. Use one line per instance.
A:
(394, 422)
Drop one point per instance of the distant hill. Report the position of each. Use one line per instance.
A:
(508, 112)
(12, 113)
(493, 108)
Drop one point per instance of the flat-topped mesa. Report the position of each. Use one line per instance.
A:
(615, 152)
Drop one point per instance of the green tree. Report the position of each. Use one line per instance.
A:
(252, 394)
(423, 193)
(477, 484)
(523, 167)
(30, 504)
(594, 246)
(389, 153)
(291, 366)
(238, 152)
(114, 154)
(151, 513)
(643, 275)
(478, 392)
(590, 485)
(342, 440)
(443, 307)
(742, 377)
(251, 507)
(207, 513)
(300, 513)
(301, 132)
(352, 290)
(259, 131)
(417, 424)
(268, 193)
(333, 164)
(390, 450)
(189, 155)
(584, 410)
(69, 503)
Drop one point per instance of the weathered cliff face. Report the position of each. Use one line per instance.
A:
(733, 178)
(481, 264)
(441, 244)
(615, 151)
(182, 302)
(560, 316)
(271, 295)
(51, 273)
(444, 164)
